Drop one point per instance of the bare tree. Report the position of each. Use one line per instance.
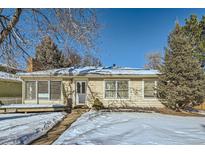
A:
(154, 60)
(91, 60)
(71, 58)
(21, 29)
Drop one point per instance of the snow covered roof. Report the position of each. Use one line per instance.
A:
(8, 76)
(91, 70)
(5, 65)
(9, 69)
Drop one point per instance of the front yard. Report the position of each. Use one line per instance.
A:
(24, 128)
(134, 128)
(101, 128)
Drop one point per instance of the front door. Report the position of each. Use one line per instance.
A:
(80, 92)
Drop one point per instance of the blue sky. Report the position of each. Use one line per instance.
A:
(128, 34)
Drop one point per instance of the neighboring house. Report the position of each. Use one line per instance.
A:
(113, 86)
(10, 88)
(10, 85)
(9, 69)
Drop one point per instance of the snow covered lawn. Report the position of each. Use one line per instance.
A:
(24, 128)
(134, 128)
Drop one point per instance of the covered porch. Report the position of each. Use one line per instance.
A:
(28, 108)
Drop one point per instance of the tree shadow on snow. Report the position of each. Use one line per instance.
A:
(203, 126)
(16, 117)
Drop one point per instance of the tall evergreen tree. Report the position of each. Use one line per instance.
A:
(195, 30)
(181, 82)
(48, 55)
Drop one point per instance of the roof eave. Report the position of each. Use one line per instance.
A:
(90, 76)
(10, 80)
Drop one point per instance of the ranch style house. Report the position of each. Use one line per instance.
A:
(113, 86)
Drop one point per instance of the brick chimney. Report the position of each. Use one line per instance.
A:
(32, 65)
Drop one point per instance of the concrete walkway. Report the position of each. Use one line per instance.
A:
(57, 130)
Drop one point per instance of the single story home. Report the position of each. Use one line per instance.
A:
(113, 86)
(10, 88)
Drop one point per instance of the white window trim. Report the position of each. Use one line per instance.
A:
(155, 82)
(86, 86)
(25, 91)
(48, 90)
(37, 92)
(116, 89)
(60, 91)
(74, 87)
(37, 99)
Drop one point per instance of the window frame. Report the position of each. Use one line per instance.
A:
(25, 87)
(116, 91)
(60, 90)
(38, 90)
(49, 91)
(143, 83)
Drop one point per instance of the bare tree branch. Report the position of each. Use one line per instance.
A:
(72, 28)
(5, 32)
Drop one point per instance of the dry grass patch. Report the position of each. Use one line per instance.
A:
(153, 109)
(182, 113)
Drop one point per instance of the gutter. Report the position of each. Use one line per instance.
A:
(10, 80)
(90, 76)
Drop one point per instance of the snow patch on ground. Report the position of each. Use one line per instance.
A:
(134, 128)
(24, 128)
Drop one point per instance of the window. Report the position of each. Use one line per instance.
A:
(122, 89)
(83, 87)
(116, 89)
(46, 90)
(78, 87)
(55, 90)
(30, 90)
(110, 89)
(149, 88)
(43, 93)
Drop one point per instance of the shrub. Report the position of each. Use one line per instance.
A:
(81, 107)
(98, 105)
(1, 103)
